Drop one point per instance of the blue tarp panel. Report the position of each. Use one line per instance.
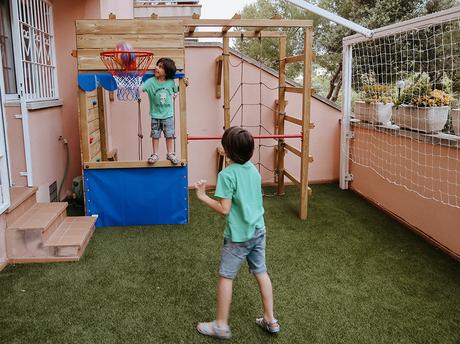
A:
(89, 82)
(137, 196)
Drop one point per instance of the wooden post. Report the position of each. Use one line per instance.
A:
(83, 121)
(306, 104)
(226, 62)
(281, 113)
(183, 119)
(102, 124)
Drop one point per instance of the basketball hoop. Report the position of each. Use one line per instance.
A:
(127, 68)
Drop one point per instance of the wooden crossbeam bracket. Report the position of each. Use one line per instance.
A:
(226, 28)
(112, 16)
(298, 58)
(219, 61)
(294, 120)
(192, 28)
(154, 16)
(298, 90)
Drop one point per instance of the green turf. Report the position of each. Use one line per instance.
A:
(350, 274)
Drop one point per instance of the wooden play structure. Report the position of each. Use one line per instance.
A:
(165, 38)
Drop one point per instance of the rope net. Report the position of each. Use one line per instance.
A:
(405, 109)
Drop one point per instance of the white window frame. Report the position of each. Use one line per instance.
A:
(41, 80)
(13, 97)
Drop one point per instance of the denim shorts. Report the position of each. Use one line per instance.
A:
(234, 254)
(162, 125)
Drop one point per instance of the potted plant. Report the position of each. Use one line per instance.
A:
(375, 104)
(422, 108)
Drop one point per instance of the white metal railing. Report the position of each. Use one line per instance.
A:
(37, 49)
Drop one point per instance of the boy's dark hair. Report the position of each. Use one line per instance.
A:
(169, 66)
(238, 144)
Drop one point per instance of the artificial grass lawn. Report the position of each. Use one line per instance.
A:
(350, 274)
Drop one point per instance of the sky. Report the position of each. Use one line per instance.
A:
(222, 9)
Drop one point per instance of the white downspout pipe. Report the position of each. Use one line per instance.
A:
(333, 17)
(24, 115)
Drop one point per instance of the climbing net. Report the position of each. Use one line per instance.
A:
(405, 112)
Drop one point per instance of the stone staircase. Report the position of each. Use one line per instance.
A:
(42, 232)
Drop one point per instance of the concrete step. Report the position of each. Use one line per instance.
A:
(39, 217)
(21, 199)
(72, 236)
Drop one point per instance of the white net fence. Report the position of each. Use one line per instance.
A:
(406, 109)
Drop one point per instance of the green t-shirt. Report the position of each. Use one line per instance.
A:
(161, 97)
(242, 184)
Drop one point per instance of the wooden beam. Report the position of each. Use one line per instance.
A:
(131, 164)
(165, 41)
(292, 178)
(294, 89)
(248, 22)
(102, 124)
(235, 34)
(281, 113)
(298, 58)
(192, 28)
(83, 123)
(226, 28)
(258, 29)
(306, 107)
(218, 76)
(292, 149)
(128, 27)
(226, 63)
(183, 120)
(293, 120)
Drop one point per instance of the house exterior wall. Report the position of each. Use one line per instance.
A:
(440, 223)
(15, 141)
(3, 257)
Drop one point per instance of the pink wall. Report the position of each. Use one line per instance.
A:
(205, 117)
(16, 155)
(48, 153)
(437, 221)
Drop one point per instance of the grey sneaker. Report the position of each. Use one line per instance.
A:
(212, 330)
(172, 157)
(153, 158)
(271, 327)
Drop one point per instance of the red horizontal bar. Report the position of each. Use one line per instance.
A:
(201, 138)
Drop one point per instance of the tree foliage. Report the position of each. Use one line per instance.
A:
(328, 35)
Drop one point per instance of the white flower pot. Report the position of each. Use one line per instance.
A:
(372, 112)
(455, 113)
(425, 119)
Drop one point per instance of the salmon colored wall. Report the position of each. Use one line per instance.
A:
(3, 257)
(438, 221)
(16, 155)
(205, 118)
(48, 153)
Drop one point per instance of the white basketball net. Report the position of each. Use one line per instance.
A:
(128, 86)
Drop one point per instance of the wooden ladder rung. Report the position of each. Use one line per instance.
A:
(291, 178)
(298, 58)
(293, 120)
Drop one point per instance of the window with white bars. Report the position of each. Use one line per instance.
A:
(6, 48)
(38, 51)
